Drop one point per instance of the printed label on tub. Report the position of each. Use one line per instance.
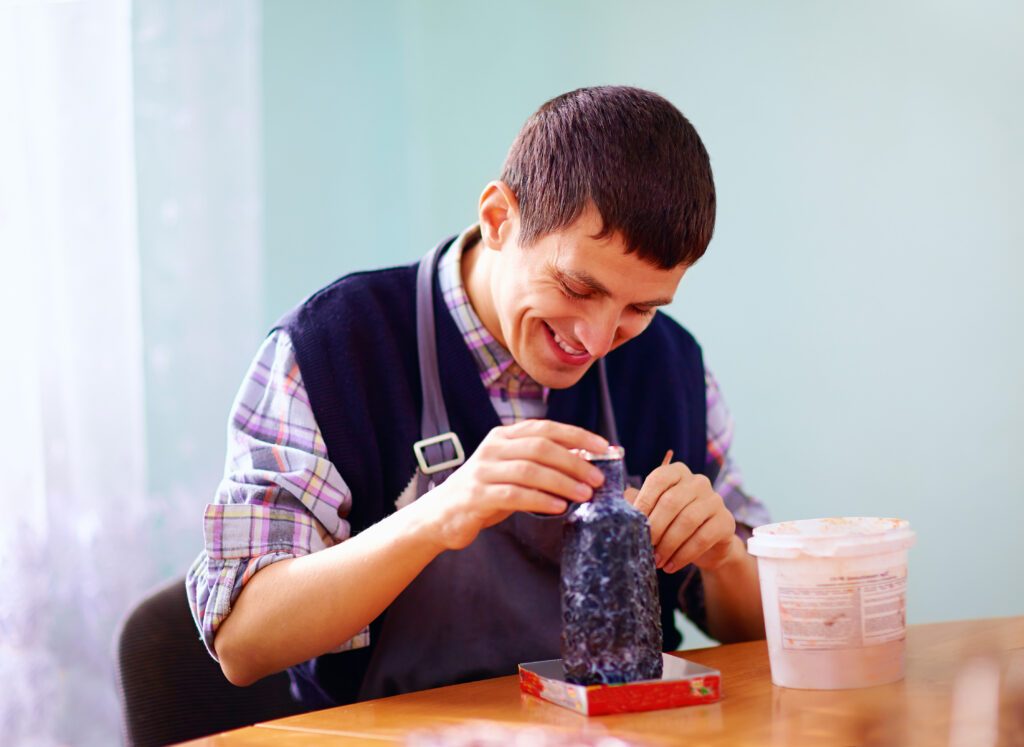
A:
(843, 612)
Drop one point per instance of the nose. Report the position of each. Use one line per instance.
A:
(601, 331)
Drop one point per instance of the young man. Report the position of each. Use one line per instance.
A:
(330, 553)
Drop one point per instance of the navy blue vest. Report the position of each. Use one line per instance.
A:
(355, 343)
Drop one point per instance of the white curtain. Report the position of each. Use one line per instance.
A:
(72, 445)
(83, 532)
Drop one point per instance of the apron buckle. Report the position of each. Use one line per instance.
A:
(419, 448)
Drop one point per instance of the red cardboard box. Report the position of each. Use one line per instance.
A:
(682, 683)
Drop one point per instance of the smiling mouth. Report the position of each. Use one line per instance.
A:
(563, 345)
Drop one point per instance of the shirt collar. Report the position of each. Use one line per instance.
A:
(499, 371)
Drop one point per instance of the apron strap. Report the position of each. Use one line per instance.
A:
(439, 451)
(606, 421)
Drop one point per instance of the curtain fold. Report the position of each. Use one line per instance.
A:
(130, 204)
(72, 442)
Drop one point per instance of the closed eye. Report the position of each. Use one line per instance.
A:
(574, 295)
(593, 288)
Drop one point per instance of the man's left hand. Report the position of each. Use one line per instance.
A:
(689, 520)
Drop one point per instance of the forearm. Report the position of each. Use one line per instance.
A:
(299, 608)
(732, 597)
(296, 609)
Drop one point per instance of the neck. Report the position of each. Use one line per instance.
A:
(477, 271)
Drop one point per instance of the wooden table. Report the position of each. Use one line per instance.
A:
(916, 710)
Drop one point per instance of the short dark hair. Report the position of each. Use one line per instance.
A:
(633, 155)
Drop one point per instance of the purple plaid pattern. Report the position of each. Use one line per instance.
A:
(748, 511)
(513, 393)
(281, 497)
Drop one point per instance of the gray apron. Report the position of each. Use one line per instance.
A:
(480, 611)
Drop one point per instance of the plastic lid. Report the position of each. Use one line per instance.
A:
(826, 538)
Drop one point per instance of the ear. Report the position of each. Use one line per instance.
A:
(499, 215)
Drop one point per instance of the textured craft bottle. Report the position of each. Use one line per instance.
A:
(611, 613)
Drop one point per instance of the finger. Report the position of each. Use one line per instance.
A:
(715, 530)
(569, 436)
(658, 483)
(692, 497)
(544, 452)
(532, 475)
(512, 497)
(673, 521)
(678, 529)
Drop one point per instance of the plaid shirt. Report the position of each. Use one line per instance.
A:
(281, 497)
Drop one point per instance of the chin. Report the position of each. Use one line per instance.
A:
(555, 379)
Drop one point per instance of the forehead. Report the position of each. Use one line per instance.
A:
(578, 252)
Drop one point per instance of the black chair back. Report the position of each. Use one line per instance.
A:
(171, 689)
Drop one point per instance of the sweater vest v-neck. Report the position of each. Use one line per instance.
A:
(480, 611)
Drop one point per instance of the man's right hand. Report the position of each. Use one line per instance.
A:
(527, 466)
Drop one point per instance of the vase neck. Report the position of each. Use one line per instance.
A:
(614, 479)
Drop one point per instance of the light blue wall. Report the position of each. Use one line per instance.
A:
(860, 302)
(198, 171)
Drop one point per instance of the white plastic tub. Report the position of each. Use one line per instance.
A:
(834, 596)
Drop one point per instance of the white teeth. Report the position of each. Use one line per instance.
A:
(564, 345)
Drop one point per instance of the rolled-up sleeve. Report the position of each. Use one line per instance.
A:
(281, 497)
(727, 481)
(748, 511)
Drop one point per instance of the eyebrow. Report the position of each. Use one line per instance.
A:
(592, 284)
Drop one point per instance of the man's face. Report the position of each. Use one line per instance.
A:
(568, 299)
